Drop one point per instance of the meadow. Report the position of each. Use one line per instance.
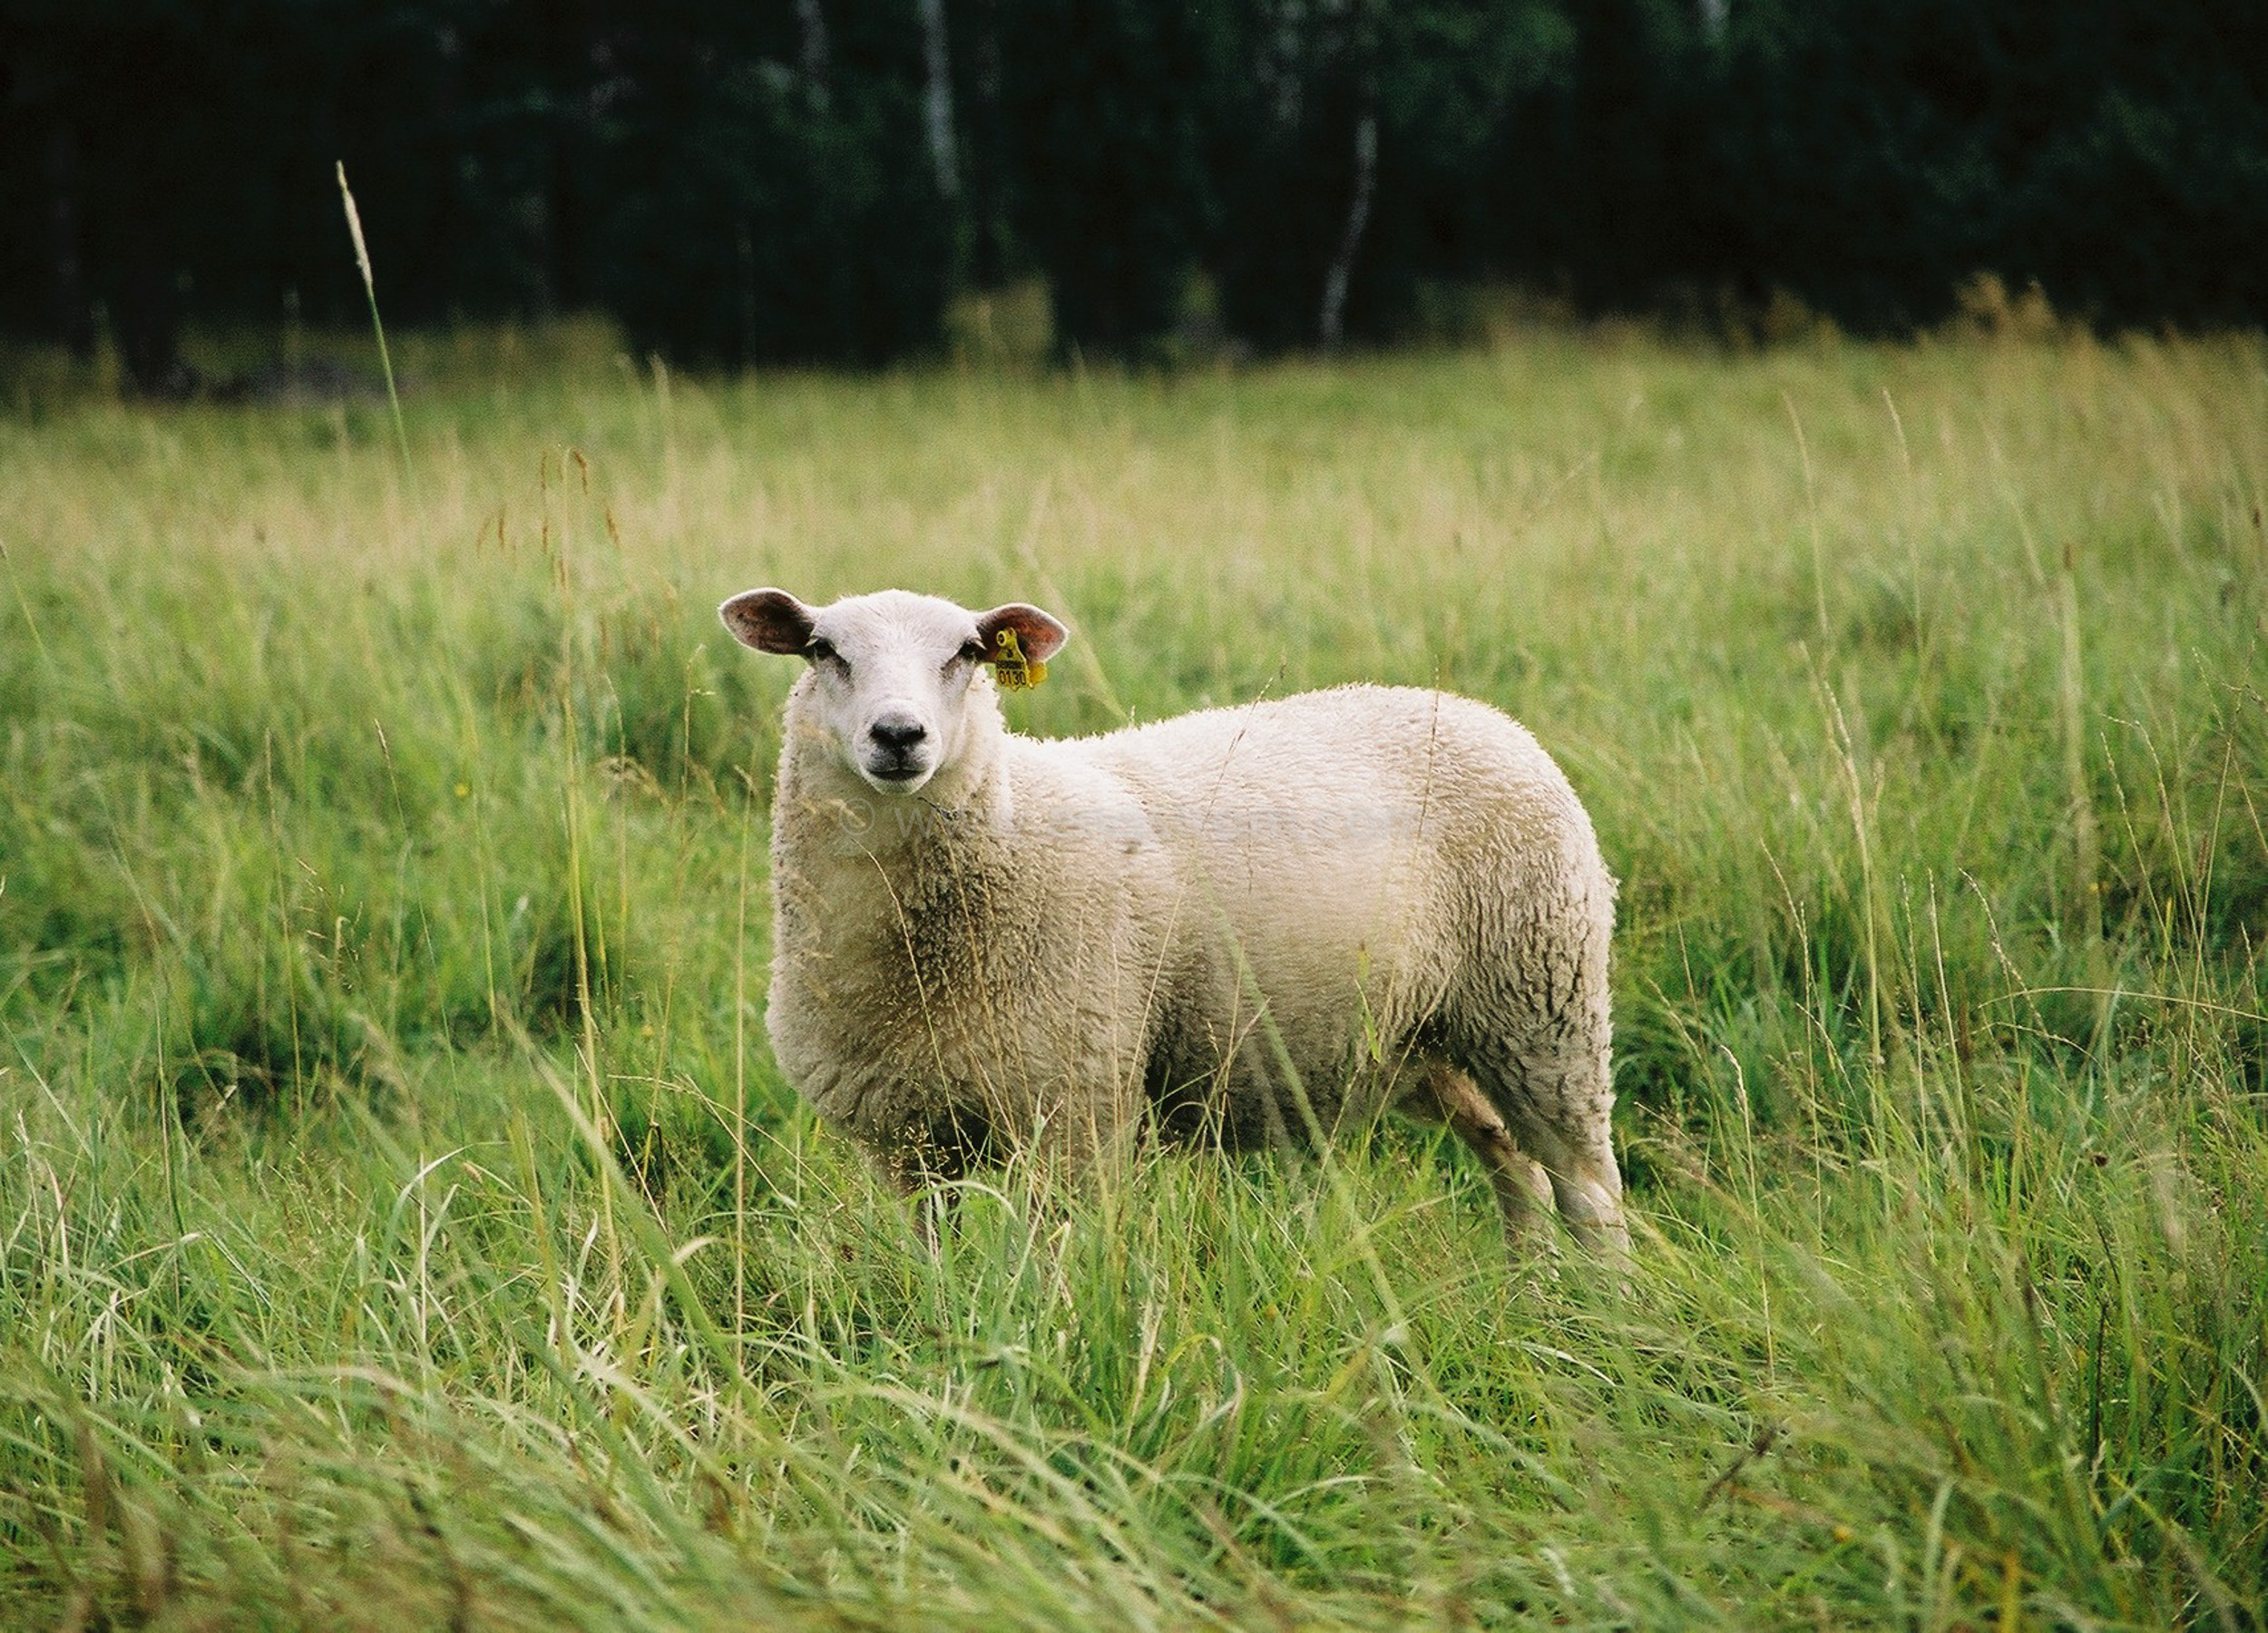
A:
(403, 1224)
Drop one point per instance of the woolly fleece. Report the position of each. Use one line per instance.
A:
(1253, 925)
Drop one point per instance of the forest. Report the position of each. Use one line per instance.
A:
(813, 183)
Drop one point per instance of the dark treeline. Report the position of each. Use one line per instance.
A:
(811, 180)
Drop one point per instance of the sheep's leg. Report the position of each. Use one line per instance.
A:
(927, 1204)
(1555, 1104)
(1518, 1180)
(1083, 1140)
(923, 1161)
(1587, 1185)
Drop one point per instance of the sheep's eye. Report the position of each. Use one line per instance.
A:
(972, 651)
(820, 652)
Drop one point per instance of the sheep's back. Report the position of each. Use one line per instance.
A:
(1346, 853)
(1346, 785)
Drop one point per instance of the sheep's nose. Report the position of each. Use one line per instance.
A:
(897, 733)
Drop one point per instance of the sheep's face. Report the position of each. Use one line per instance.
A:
(893, 674)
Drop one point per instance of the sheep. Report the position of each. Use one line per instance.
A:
(1254, 925)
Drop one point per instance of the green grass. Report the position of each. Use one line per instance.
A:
(402, 1222)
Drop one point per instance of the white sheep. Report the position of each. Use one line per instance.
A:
(1251, 924)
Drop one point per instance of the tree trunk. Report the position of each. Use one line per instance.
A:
(66, 271)
(149, 331)
(1331, 322)
(987, 143)
(938, 98)
(815, 53)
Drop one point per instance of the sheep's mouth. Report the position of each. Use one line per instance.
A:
(895, 773)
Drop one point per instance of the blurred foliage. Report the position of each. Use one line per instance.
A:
(770, 213)
(810, 181)
(1112, 103)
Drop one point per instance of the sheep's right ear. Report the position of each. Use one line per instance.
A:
(1041, 635)
(770, 620)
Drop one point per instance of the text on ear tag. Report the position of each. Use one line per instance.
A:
(1012, 669)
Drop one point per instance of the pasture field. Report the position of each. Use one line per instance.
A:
(402, 1223)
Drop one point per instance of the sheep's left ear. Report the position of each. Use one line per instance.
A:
(770, 620)
(1040, 635)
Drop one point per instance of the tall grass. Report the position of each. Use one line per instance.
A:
(378, 324)
(402, 1222)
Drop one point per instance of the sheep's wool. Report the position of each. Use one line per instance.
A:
(1252, 924)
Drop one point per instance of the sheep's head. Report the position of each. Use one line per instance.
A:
(892, 674)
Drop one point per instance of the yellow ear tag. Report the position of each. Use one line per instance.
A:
(1012, 669)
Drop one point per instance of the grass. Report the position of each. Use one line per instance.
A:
(402, 1222)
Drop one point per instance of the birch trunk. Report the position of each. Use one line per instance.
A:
(1331, 321)
(938, 98)
(813, 23)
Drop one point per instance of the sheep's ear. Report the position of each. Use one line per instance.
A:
(1040, 635)
(770, 620)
